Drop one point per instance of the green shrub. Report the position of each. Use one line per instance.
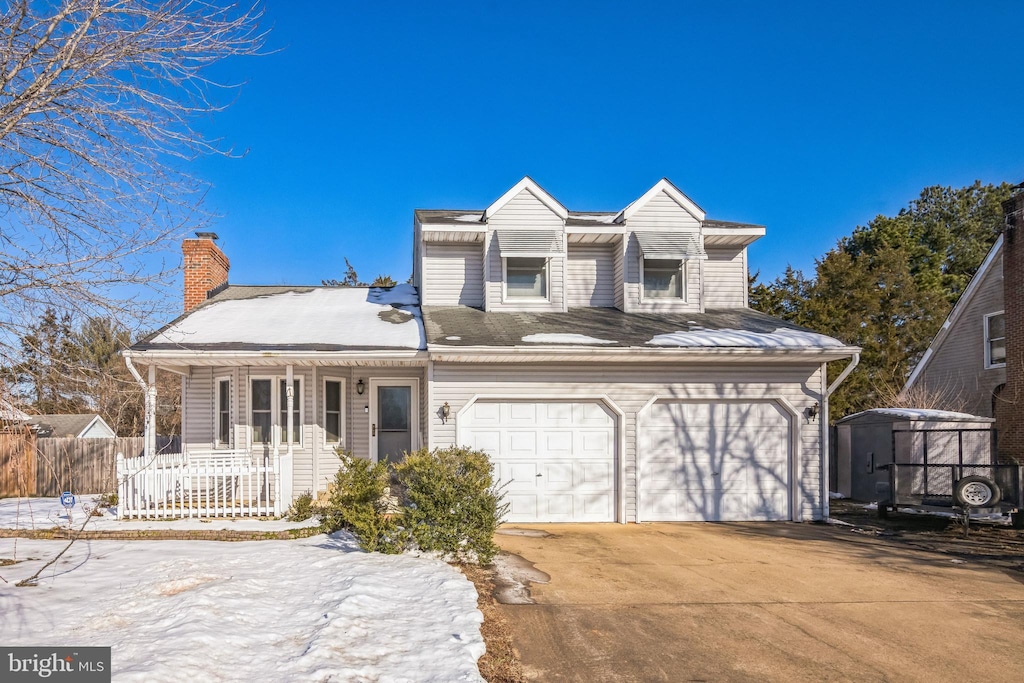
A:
(107, 500)
(301, 509)
(359, 504)
(450, 502)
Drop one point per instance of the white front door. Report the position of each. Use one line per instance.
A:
(721, 461)
(554, 459)
(394, 418)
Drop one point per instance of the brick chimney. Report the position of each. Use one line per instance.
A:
(1010, 407)
(206, 268)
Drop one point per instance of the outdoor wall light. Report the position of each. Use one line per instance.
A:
(811, 412)
(360, 387)
(446, 411)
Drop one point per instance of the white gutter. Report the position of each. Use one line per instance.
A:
(843, 375)
(557, 353)
(189, 354)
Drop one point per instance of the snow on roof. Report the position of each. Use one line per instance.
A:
(564, 339)
(334, 316)
(781, 338)
(919, 414)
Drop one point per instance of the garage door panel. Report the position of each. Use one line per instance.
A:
(522, 504)
(571, 445)
(722, 460)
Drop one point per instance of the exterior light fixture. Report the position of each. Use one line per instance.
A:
(360, 387)
(811, 412)
(446, 411)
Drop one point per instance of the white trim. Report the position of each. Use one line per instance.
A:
(989, 365)
(414, 409)
(217, 443)
(506, 299)
(536, 190)
(620, 430)
(958, 309)
(794, 439)
(684, 284)
(672, 191)
(342, 421)
(826, 453)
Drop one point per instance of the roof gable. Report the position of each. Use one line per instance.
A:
(533, 188)
(662, 186)
(962, 305)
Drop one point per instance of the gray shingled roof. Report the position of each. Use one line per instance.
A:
(477, 328)
(61, 425)
(576, 218)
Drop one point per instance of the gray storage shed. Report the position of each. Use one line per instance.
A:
(866, 441)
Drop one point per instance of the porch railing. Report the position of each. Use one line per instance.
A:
(197, 484)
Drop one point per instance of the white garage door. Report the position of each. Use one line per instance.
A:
(714, 462)
(555, 459)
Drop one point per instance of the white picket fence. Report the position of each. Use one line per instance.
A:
(197, 484)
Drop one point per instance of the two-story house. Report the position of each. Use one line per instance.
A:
(607, 362)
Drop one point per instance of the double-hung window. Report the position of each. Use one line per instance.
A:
(222, 413)
(334, 411)
(268, 410)
(995, 340)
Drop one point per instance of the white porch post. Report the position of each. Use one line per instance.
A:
(287, 462)
(150, 447)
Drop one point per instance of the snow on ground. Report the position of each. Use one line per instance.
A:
(781, 338)
(315, 609)
(339, 316)
(920, 414)
(46, 513)
(569, 338)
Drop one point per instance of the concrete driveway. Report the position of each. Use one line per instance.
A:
(746, 602)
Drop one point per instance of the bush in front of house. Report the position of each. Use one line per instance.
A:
(302, 508)
(359, 503)
(450, 503)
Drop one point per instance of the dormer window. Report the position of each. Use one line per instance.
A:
(526, 278)
(664, 278)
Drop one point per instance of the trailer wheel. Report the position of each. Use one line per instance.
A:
(976, 492)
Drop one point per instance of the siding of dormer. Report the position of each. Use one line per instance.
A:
(725, 278)
(660, 213)
(633, 287)
(590, 276)
(453, 275)
(524, 212)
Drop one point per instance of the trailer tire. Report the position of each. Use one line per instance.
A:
(976, 492)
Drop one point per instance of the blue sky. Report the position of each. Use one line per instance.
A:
(810, 118)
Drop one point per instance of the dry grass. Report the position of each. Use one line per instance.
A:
(500, 664)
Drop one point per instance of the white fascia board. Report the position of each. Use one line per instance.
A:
(183, 357)
(954, 315)
(514, 354)
(663, 185)
(527, 183)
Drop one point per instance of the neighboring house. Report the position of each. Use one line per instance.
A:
(607, 362)
(82, 426)
(964, 367)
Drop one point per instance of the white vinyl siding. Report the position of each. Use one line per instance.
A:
(525, 212)
(663, 213)
(725, 278)
(590, 279)
(453, 275)
(630, 387)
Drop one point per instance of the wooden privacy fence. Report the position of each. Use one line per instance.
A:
(197, 484)
(82, 466)
(17, 461)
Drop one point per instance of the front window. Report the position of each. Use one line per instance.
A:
(224, 412)
(526, 277)
(663, 279)
(995, 340)
(296, 417)
(333, 415)
(261, 410)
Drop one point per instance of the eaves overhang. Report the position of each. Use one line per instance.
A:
(561, 354)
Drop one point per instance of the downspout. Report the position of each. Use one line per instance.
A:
(826, 427)
(148, 398)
